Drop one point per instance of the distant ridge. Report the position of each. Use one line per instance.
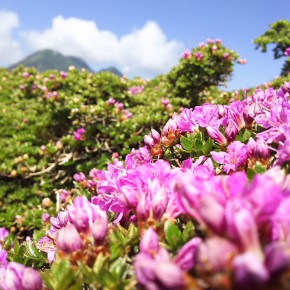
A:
(49, 59)
(112, 70)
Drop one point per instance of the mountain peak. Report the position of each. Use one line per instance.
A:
(48, 59)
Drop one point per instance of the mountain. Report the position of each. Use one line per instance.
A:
(49, 59)
(112, 70)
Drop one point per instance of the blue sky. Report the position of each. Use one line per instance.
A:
(141, 37)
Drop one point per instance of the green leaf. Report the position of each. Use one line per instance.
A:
(186, 143)
(60, 277)
(99, 263)
(33, 253)
(64, 275)
(246, 135)
(132, 234)
(259, 168)
(250, 173)
(117, 267)
(207, 146)
(198, 144)
(188, 232)
(172, 234)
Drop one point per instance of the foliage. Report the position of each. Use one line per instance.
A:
(206, 66)
(279, 35)
(40, 115)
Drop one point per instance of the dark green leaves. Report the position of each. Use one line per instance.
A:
(195, 144)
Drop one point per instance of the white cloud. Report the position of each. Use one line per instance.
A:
(10, 50)
(145, 51)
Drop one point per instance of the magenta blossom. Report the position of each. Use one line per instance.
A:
(186, 54)
(136, 90)
(111, 101)
(236, 156)
(68, 239)
(198, 56)
(287, 51)
(3, 258)
(79, 177)
(79, 134)
(18, 277)
(154, 268)
(3, 234)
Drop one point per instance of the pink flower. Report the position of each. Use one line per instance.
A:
(119, 106)
(3, 258)
(226, 55)
(79, 177)
(165, 102)
(186, 54)
(3, 234)
(236, 156)
(26, 75)
(64, 195)
(199, 56)
(79, 134)
(45, 217)
(215, 254)
(136, 90)
(127, 115)
(186, 256)
(16, 276)
(111, 101)
(63, 74)
(153, 267)
(287, 51)
(68, 239)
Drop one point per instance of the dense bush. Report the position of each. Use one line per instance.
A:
(41, 115)
(208, 65)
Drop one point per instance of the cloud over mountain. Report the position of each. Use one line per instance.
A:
(145, 51)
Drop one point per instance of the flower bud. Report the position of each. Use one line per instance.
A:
(68, 239)
(155, 135)
(149, 242)
(100, 227)
(216, 135)
(46, 202)
(16, 276)
(148, 140)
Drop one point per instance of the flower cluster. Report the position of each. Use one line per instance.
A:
(267, 111)
(81, 226)
(126, 114)
(166, 104)
(136, 90)
(154, 267)
(246, 224)
(79, 134)
(16, 276)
